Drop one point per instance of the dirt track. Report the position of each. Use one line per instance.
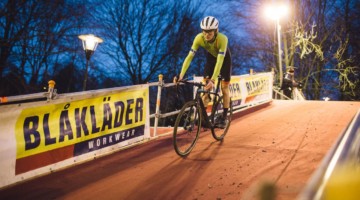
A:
(281, 144)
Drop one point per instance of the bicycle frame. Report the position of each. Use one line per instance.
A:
(201, 103)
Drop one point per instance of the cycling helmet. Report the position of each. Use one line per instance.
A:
(209, 23)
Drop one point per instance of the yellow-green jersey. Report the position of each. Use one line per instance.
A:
(217, 49)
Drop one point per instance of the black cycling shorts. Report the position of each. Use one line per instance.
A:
(225, 69)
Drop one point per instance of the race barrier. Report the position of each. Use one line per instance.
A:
(247, 90)
(40, 137)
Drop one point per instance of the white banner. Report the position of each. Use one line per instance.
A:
(248, 90)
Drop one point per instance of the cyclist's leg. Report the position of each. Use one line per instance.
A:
(226, 96)
(205, 97)
(208, 72)
(226, 75)
(205, 100)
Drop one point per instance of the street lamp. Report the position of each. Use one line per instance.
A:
(89, 42)
(275, 13)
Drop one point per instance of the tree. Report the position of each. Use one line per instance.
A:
(144, 38)
(317, 38)
(66, 78)
(318, 46)
(34, 36)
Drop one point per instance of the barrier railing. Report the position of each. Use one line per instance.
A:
(297, 94)
(51, 94)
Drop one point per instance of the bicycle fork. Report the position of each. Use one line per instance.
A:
(190, 120)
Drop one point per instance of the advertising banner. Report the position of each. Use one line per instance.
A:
(247, 89)
(258, 87)
(43, 135)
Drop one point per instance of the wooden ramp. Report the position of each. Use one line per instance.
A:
(279, 145)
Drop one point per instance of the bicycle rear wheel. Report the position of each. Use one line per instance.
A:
(216, 112)
(187, 128)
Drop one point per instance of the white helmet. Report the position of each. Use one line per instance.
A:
(209, 23)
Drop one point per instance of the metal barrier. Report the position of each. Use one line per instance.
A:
(297, 94)
(279, 95)
(49, 95)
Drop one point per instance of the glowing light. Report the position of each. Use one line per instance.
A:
(276, 12)
(90, 41)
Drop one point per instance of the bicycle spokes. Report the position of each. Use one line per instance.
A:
(186, 128)
(190, 119)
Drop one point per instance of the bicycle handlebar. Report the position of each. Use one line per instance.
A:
(197, 84)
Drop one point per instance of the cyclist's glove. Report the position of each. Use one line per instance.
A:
(210, 84)
(175, 79)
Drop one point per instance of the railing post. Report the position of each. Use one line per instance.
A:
(51, 91)
(158, 99)
(3, 99)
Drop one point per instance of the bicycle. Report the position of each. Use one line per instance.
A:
(190, 118)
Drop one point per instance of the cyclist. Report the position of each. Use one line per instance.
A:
(218, 61)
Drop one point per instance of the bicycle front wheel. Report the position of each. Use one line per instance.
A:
(219, 132)
(187, 128)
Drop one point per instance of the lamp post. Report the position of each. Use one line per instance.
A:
(275, 13)
(89, 42)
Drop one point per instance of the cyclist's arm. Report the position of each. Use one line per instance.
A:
(190, 57)
(223, 41)
(186, 63)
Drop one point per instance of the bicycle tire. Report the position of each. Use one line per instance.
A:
(187, 128)
(216, 111)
